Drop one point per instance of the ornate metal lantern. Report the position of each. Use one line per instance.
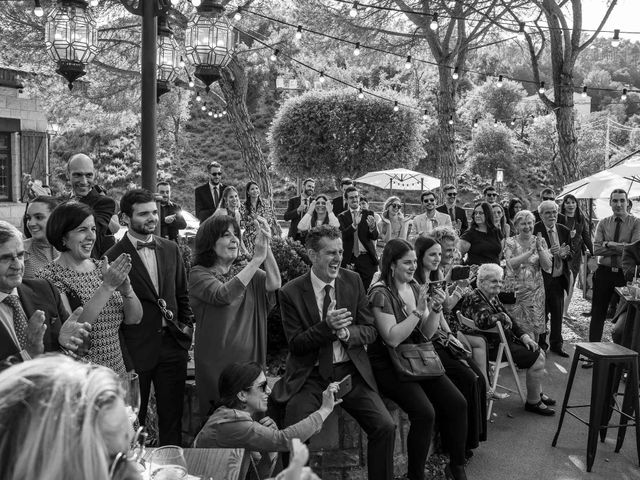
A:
(209, 41)
(168, 57)
(71, 38)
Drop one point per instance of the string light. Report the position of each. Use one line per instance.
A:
(224, 112)
(407, 64)
(299, 32)
(424, 115)
(624, 95)
(322, 77)
(274, 55)
(198, 97)
(521, 31)
(395, 106)
(455, 75)
(37, 10)
(175, 2)
(513, 122)
(204, 107)
(238, 15)
(360, 93)
(434, 21)
(182, 64)
(354, 10)
(584, 90)
(191, 83)
(499, 81)
(210, 113)
(356, 51)
(541, 90)
(196, 3)
(495, 122)
(450, 119)
(615, 41)
(93, 3)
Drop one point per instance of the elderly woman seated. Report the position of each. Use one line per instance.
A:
(485, 309)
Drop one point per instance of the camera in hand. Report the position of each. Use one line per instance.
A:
(460, 272)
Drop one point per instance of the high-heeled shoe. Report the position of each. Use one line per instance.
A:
(455, 472)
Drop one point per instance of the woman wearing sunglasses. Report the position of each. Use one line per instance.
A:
(239, 420)
(62, 419)
(393, 223)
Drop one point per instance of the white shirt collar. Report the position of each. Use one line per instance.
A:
(134, 241)
(5, 295)
(318, 284)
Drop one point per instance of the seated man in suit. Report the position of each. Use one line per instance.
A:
(485, 309)
(32, 316)
(556, 283)
(359, 233)
(328, 322)
(457, 214)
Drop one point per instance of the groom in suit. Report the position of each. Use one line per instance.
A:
(556, 283)
(33, 319)
(208, 196)
(328, 322)
(359, 248)
(157, 348)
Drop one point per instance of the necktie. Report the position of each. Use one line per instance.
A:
(19, 318)
(151, 245)
(557, 259)
(615, 260)
(452, 214)
(325, 360)
(356, 243)
(216, 196)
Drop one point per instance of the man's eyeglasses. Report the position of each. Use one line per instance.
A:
(492, 194)
(429, 200)
(395, 205)
(10, 258)
(215, 174)
(452, 194)
(166, 313)
(548, 198)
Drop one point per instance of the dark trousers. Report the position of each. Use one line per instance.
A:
(468, 378)
(363, 404)
(365, 266)
(553, 308)
(422, 402)
(168, 377)
(604, 283)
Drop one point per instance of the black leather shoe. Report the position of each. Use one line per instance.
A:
(560, 351)
(540, 408)
(455, 472)
(547, 400)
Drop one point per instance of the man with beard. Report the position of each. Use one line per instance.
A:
(171, 219)
(82, 176)
(297, 207)
(158, 347)
(431, 218)
(208, 196)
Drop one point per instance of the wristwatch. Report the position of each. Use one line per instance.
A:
(417, 313)
(343, 334)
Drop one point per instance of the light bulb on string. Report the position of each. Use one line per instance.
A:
(407, 64)
(204, 107)
(434, 21)
(495, 122)
(191, 82)
(584, 91)
(424, 115)
(224, 112)
(299, 32)
(175, 2)
(210, 113)
(93, 3)
(499, 81)
(196, 3)
(274, 55)
(182, 64)
(455, 75)
(475, 122)
(356, 51)
(238, 15)
(541, 90)
(615, 41)
(322, 77)
(353, 12)
(38, 10)
(198, 97)
(513, 122)
(450, 119)
(360, 93)
(395, 106)
(624, 95)
(521, 31)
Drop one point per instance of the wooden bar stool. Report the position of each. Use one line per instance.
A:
(606, 358)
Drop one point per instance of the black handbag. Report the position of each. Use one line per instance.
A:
(416, 361)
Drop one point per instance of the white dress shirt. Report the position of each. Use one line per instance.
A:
(339, 353)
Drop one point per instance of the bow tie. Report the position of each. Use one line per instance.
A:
(151, 245)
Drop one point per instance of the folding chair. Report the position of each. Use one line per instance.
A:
(500, 362)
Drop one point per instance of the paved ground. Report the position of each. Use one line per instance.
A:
(519, 443)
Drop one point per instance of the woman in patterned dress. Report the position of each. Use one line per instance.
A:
(526, 255)
(40, 250)
(102, 289)
(254, 207)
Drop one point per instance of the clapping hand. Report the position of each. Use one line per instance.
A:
(371, 222)
(329, 207)
(261, 247)
(340, 318)
(35, 333)
(312, 206)
(262, 225)
(564, 250)
(114, 274)
(72, 333)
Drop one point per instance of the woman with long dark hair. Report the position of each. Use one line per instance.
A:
(230, 301)
(239, 421)
(320, 212)
(254, 206)
(580, 236)
(482, 243)
(406, 313)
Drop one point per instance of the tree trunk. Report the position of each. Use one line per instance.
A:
(234, 88)
(567, 139)
(446, 138)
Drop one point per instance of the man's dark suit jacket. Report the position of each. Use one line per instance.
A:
(37, 294)
(104, 208)
(460, 214)
(171, 230)
(366, 236)
(293, 216)
(307, 334)
(142, 342)
(565, 237)
(205, 205)
(338, 205)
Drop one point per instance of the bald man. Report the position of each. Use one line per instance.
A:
(81, 175)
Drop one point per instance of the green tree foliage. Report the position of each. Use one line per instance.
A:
(335, 133)
(491, 148)
(500, 103)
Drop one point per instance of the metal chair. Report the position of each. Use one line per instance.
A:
(503, 359)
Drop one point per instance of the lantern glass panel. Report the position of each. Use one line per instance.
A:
(71, 34)
(209, 40)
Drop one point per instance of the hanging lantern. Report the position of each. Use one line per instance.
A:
(71, 38)
(209, 41)
(168, 57)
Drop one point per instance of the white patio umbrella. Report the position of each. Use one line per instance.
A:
(399, 179)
